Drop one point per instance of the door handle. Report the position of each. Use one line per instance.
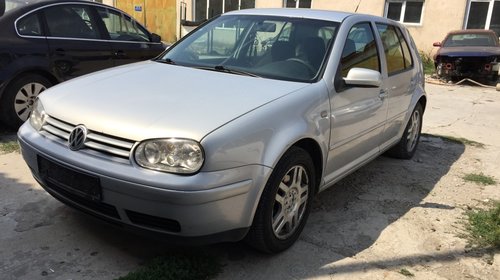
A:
(120, 53)
(60, 52)
(382, 94)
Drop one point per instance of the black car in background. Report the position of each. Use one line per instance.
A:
(471, 53)
(43, 43)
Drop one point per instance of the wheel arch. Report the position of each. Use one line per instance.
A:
(313, 149)
(423, 102)
(34, 71)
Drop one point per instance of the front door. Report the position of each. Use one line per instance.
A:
(129, 40)
(358, 113)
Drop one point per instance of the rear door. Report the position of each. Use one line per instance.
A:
(399, 84)
(358, 113)
(129, 40)
(76, 45)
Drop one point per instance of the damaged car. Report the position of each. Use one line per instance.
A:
(469, 53)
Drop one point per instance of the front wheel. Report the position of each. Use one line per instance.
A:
(285, 203)
(406, 147)
(19, 98)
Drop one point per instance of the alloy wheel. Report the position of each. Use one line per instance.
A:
(290, 202)
(25, 99)
(413, 131)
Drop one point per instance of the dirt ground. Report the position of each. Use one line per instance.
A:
(388, 216)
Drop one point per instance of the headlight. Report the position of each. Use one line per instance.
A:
(170, 155)
(38, 116)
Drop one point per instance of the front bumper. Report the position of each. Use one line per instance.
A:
(204, 204)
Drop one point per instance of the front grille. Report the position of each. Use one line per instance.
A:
(95, 141)
(153, 221)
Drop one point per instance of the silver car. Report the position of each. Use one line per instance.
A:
(231, 132)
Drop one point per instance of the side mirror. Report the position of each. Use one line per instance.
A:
(437, 44)
(363, 77)
(155, 38)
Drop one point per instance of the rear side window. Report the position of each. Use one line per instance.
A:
(397, 52)
(29, 26)
(121, 27)
(360, 49)
(71, 21)
(406, 49)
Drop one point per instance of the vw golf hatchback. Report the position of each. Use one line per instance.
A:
(231, 132)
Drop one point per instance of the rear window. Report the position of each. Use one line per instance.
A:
(29, 26)
(470, 40)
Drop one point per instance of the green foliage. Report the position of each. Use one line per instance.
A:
(428, 63)
(177, 267)
(480, 179)
(406, 272)
(459, 140)
(484, 226)
(9, 147)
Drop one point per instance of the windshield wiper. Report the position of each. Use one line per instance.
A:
(221, 68)
(166, 61)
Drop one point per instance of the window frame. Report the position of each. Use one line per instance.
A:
(297, 4)
(93, 6)
(375, 40)
(41, 22)
(403, 11)
(93, 17)
(123, 17)
(396, 28)
(489, 13)
(207, 11)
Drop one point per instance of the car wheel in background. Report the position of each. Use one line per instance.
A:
(19, 97)
(406, 147)
(285, 203)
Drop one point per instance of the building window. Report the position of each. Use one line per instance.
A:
(483, 14)
(205, 9)
(405, 11)
(297, 3)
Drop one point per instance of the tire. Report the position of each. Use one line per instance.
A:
(19, 96)
(284, 203)
(406, 147)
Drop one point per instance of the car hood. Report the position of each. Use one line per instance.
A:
(153, 100)
(469, 51)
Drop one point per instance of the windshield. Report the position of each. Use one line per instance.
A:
(470, 40)
(282, 48)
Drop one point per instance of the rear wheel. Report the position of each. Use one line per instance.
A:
(406, 147)
(19, 97)
(285, 203)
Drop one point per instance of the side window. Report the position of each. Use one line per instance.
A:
(394, 53)
(121, 27)
(360, 49)
(71, 21)
(29, 26)
(406, 50)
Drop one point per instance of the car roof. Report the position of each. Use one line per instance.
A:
(29, 5)
(298, 13)
(471, 31)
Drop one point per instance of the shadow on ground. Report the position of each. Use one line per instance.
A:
(346, 219)
(5, 129)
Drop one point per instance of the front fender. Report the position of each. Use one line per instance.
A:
(263, 135)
